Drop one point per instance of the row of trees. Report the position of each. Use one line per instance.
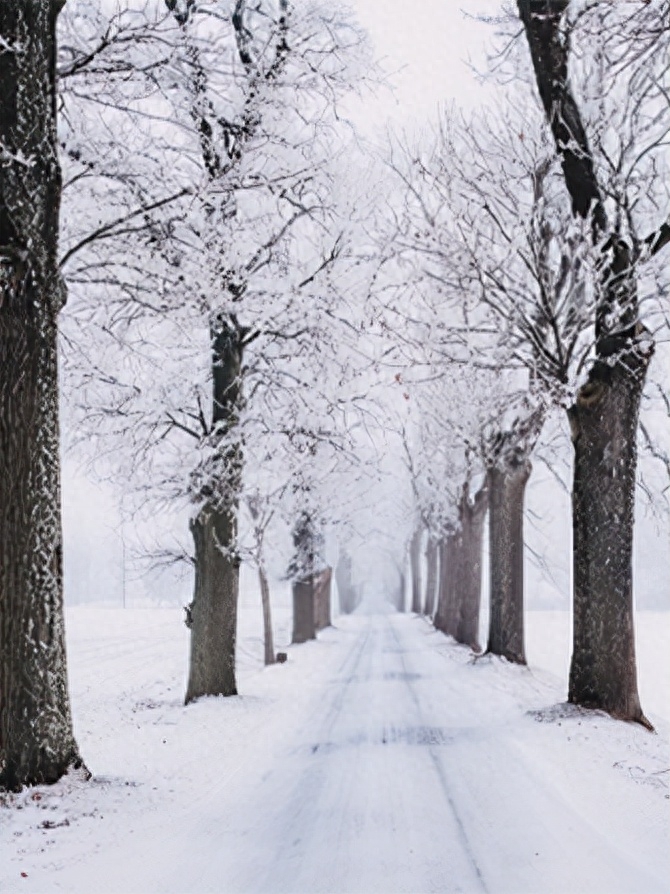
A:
(259, 311)
(538, 240)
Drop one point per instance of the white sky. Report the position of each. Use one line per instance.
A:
(427, 44)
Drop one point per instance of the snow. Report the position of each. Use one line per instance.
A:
(379, 758)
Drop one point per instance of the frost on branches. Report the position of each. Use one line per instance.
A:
(214, 249)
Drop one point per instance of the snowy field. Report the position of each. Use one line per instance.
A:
(378, 759)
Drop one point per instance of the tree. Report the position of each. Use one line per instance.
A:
(432, 566)
(347, 592)
(214, 527)
(36, 739)
(460, 560)
(508, 472)
(304, 570)
(249, 145)
(415, 567)
(322, 594)
(608, 170)
(261, 512)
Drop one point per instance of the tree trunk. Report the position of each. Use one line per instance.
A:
(322, 583)
(304, 627)
(213, 611)
(507, 487)
(214, 608)
(345, 587)
(604, 424)
(415, 568)
(268, 639)
(446, 616)
(473, 514)
(431, 577)
(302, 570)
(36, 739)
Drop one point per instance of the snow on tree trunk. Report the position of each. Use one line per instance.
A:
(460, 554)
(431, 577)
(268, 639)
(415, 567)
(214, 608)
(214, 529)
(604, 425)
(322, 585)
(304, 626)
(302, 570)
(507, 487)
(36, 739)
(446, 616)
(473, 515)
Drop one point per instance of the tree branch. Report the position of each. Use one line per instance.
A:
(108, 229)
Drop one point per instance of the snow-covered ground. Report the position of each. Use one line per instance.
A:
(379, 758)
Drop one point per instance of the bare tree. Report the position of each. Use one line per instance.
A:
(243, 112)
(304, 570)
(602, 171)
(432, 570)
(460, 558)
(261, 515)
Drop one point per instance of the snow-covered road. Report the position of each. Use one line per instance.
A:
(378, 759)
(362, 798)
(396, 780)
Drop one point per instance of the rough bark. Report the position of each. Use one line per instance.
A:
(446, 615)
(472, 516)
(507, 486)
(415, 569)
(213, 611)
(604, 425)
(268, 639)
(303, 572)
(322, 586)
(605, 416)
(460, 556)
(36, 739)
(432, 556)
(304, 627)
(345, 587)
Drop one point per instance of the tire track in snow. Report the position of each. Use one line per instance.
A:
(439, 769)
(298, 817)
(523, 813)
(371, 795)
